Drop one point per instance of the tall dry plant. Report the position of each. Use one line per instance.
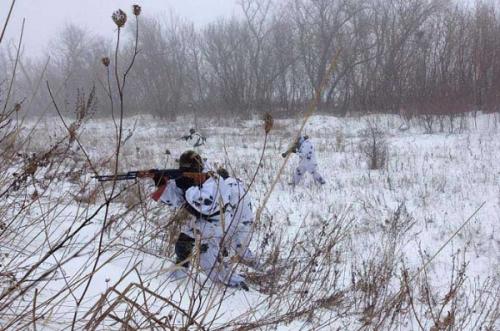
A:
(38, 239)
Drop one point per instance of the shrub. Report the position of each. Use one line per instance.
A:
(374, 147)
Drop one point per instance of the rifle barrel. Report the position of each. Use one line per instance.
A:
(128, 176)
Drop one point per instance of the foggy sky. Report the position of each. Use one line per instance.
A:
(45, 18)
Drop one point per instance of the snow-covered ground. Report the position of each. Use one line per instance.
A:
(341, 254)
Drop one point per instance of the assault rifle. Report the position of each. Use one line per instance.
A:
(292, 149)
(160, 176)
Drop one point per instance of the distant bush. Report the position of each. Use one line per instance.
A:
(374, 147)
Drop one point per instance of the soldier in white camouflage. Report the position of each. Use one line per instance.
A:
(207, 204)
(307, 160)
(194, 138)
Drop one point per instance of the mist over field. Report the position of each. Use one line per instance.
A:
(399, 99)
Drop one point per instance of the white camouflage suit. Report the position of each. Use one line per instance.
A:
(240, 228)
(195, 139)
(307, 162)
(209, 201)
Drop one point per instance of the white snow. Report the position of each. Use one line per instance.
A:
(436, 180)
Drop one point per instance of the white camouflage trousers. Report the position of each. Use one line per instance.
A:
(210, 260)
(238, 238)
(239, 225)
(304, 166)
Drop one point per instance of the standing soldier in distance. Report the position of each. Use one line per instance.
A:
(307, 160)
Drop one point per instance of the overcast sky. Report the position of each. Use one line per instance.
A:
(44, 18)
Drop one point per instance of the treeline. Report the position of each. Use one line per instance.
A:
(419, 56)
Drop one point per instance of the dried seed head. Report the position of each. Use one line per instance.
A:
(105, 61)
(268, 122)
(137, 10)
(34, 196)
(17, 107)
(72, 132)
(119, 17)
(31, 168)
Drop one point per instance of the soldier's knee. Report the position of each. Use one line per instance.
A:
(204, 248)
(183, 247)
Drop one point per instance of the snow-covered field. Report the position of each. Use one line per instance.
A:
(355, 253)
